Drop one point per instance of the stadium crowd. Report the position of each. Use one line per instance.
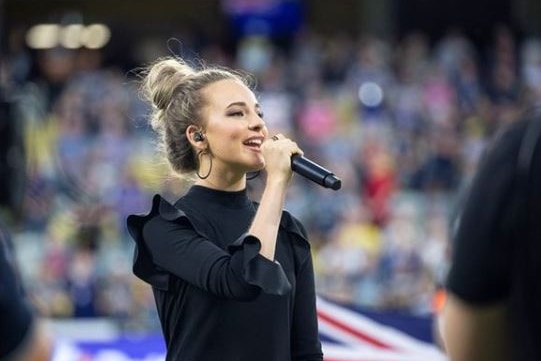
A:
(402, 123)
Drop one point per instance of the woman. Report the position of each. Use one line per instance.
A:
(232, 279)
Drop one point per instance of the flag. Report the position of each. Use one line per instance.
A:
(350, 335)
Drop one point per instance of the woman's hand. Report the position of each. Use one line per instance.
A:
(277, 152)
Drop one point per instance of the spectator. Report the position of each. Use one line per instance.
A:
(493, 288)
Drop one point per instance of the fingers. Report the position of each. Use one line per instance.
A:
(277, 151)
(285, 142)
(278, 136)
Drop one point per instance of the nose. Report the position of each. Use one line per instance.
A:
(256, 123)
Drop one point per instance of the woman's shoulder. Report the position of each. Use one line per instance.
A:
(162, 214)
(165, 211)
(159, 206)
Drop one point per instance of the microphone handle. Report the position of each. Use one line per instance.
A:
(315, 172)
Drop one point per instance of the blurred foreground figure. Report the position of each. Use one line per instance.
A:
(22, 338)
(493, 311)
(233, 279)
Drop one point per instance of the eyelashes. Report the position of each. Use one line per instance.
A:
(240, 114)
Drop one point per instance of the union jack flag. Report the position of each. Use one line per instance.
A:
(352, 336)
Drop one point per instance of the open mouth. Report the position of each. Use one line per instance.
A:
(253, 142)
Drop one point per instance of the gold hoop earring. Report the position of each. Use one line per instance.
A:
(199, 157)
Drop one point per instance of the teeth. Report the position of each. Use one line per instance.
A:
(253, 142)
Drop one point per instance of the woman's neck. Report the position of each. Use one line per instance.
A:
(224, 182)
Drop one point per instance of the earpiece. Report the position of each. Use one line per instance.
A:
(198, 137)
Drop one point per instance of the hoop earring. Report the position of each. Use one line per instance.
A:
(253, 175)
(199, 156)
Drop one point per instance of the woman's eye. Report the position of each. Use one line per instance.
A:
(261, 115)
(236, 114)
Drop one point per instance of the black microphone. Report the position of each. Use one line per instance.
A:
(314, 172)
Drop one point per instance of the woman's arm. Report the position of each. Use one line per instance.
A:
(176, 247)
(267, 219)
(37, 348)
(277, 152)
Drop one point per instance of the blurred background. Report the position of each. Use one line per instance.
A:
(396, 97)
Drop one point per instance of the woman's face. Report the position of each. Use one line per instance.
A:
(234, 128)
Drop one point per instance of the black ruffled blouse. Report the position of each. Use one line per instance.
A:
(217, 297)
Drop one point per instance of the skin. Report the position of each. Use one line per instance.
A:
(40, 347)
(231, 117)
(475, 333)
(36, 346)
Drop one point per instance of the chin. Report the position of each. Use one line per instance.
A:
(257, 167)
(258, 164)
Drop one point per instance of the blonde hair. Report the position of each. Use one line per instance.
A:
(173, 88)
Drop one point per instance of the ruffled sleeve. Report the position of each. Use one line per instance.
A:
(143, 266)
(256, 269)
(169, 243)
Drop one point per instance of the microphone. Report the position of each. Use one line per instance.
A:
(315, 172)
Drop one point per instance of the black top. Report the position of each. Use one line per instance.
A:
(16, 315)
(217, 297)
(497, 244)
(480, 267)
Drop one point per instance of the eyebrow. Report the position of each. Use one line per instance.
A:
(242, 104)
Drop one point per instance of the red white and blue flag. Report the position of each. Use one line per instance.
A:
(350, 335)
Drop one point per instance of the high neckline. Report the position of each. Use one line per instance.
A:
(227, 199)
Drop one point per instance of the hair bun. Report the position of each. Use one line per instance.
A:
(163, 79)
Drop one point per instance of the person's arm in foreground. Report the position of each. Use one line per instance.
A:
(475, 333)
(22, 336)
(37, 345)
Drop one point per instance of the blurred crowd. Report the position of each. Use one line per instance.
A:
(403, 123)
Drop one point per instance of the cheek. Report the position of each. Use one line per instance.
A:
(231, 137)
(225, 139)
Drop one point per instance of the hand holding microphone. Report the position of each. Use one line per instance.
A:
(311, 170)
